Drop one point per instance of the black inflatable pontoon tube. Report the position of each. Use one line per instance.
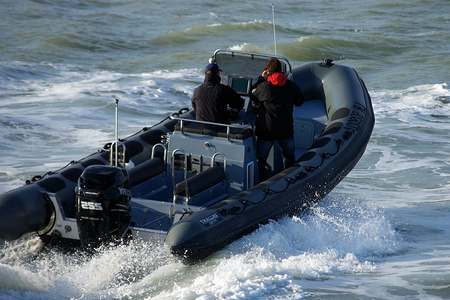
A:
(23, 211)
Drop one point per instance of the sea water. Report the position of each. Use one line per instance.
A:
(382, 233)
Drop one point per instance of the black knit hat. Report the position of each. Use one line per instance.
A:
(212, 68)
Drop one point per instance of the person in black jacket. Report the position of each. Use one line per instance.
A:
(276, 96)
(210, 100)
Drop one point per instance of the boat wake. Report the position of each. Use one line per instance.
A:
(339, 236)
(280, 259)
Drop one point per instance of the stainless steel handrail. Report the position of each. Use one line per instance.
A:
(227, 126)
(180, 151)
(213, 160)
(116, 145)
(174, 152)
(211, 123)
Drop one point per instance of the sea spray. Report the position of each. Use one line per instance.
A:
(339, 236)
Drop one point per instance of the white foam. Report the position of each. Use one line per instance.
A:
(244, 24)
(338, 237)
(246, 47)
(13, 252)
(91, 138)
(79, 83)
(304, 38)
(407, 157)
(173, 74)
(73, 85)
(390, 161)
(20, 279)
(68, 86)
(10, 178)
(114, 271)
(213, 15)
(214, 25)
(274, 260)
(420, 98)
(80, 104)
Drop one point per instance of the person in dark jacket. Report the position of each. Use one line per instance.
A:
(276, 96)
(210, 100)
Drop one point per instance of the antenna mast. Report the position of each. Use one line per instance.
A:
(274, 32)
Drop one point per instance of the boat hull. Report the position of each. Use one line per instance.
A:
(333, 155)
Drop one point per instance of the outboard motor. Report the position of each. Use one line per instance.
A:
(102, 204)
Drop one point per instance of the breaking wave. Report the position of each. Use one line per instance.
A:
(430, 99)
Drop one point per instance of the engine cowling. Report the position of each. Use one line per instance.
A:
(102, 205)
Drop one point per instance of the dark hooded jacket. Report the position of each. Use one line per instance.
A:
(277, 97)
(210, 100)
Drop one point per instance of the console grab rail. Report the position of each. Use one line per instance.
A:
(227, 126)
(213, 160)
(174, 152)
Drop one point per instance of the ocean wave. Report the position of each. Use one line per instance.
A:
(70, 85)
(75, 42)
(69, 113)
(425, 98)
(423, 110)
(196, 33)
(316, 48)
(92, 43)
(409, 144)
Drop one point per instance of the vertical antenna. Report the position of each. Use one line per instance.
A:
(116, 131)
(274, 34)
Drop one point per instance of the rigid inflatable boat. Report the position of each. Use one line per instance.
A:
(196, 184)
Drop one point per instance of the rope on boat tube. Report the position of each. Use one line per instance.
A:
(295, 176)
(39, 177)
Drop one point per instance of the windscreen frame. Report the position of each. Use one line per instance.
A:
(243, 64)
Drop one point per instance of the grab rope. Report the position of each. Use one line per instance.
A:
(39, 177)
(292, 179)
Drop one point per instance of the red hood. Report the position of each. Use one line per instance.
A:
(277, 79)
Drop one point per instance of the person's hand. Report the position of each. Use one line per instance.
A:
(265, 73)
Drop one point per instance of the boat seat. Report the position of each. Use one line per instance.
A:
(216, 130)
(145, 171)
(200, 182)
(309, 121)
